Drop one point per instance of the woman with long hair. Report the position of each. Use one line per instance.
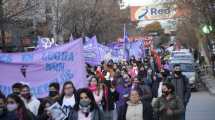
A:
(97, 89)
(85, 107)
(43, 113)
(68, 96)
(16, 105)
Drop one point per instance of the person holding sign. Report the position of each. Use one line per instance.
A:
(44, 113)
(68, 96)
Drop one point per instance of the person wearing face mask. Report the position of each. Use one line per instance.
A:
(97, 90)
(168, 106)
(54, 89)
(68, 96)
(85, 107)
(164, 76)
(182, 86)
(31, 102)
(16, 109)
(16, 88)
(133, 71)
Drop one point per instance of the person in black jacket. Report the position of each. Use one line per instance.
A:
(4, 114)
(182, 86)
(43, 113)
(110, 97)
(16, 109)
(135, 108)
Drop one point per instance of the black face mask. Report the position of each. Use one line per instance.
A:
(164, 74)
(165, 93)
(27, 96)
(53, 93)
(16, 93)
(178, 72)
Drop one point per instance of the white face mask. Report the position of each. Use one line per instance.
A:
(135, 67)
(112, 89)
(12, 107)
(149, 71)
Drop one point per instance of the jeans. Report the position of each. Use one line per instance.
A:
(183, 115)
(110, 115)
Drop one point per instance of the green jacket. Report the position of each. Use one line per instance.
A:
(162, 105)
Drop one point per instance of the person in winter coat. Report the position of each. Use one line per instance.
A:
(4, 114)
(182, 86)
(135, 108)
(17, 110)
(155, 85)
(169, 106)
(30, 101)
(54, 92)
(85, 107)
(43, 113)
(109, 100)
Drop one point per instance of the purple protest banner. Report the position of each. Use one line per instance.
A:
(105, 52)
(91, 51)
(39, 68)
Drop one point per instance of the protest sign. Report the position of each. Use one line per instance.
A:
(57, 112)
(39, 68)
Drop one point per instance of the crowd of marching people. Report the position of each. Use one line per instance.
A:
(138, 89)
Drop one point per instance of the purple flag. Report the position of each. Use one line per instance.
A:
(136, 49)
(126, 43)
(45, 43)
(39, 68)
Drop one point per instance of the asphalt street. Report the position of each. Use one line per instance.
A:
(201, 106)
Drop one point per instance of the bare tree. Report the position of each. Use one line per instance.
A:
(198, 13)
(13, 13)
(87, 18)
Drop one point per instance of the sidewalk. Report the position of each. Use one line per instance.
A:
(209, 80)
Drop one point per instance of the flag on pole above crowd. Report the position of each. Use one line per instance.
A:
(126, 49)
(71, 38)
